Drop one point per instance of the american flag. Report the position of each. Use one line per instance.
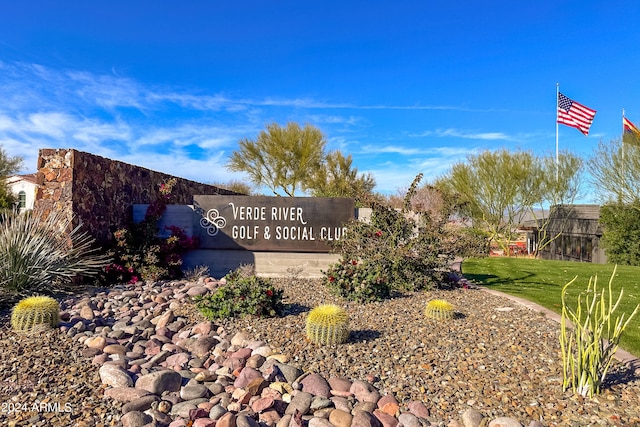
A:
(573, 114)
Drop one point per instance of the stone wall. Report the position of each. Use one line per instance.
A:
(100, 192)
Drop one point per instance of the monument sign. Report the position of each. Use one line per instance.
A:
(262, 223)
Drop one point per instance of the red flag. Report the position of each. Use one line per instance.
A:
(573, 114)
(627, 126)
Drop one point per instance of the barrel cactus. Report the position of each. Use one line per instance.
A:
(328, 324)
(35, 312)
(439, 309)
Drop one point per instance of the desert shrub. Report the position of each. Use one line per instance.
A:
(621, 233)
(469, 242)
(358, 281)
(38, 253)
(398, 249)
(139, 252)
(242, 295)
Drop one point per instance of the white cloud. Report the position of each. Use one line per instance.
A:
(456, 133)
(191, 134)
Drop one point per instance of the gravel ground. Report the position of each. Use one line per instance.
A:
(496, 356)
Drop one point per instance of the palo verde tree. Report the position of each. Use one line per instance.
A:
(338, 178)
(8, 166)
(615, 171)
(496, 188)
(283, 159)
(558, 182)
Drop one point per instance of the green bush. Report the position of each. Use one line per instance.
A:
(621, 233)
(398, 249)
(241, 295)
(358, 281)
(39, 254)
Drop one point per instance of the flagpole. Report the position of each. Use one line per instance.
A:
(622, 141)
(557, 97)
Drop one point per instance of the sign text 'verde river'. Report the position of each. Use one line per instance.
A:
(271, 223)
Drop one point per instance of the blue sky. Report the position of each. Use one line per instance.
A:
(404, 87)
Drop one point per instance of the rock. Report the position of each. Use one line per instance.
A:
(243, 353)
(341, 385)
(340, 418)
(125, 394)
(179, 360)
(227, 420)
(239, 339)
(319, 422)
(407, 419)
(262, 404)
(97, 341)
(418, 409)
(216, 412)
(152, 347)
(316, 385)
(255, 386)
(269, 418)
(205, 376)
(204, 422)
(255, 361)
(140, 404)
(264, 351)
(504, 422)
(364, 419)
(245, 421)
(191, 392)
(159, 382)
(197, 290)
(86, 313)
(319, 402)
(471, 418)
(115, 349)
(114, 376)
(365, 406)
(389, 405)
(342, 403)
(203, 345)
(164, 319)
(202, 328)
(386, 419)
(182, 409)
(290, 373)
(301, 402)
(246, 376)
(135, 419)
(364, 392)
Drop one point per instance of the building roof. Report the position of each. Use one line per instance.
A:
(29, 177)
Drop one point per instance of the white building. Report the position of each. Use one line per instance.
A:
(24, 187)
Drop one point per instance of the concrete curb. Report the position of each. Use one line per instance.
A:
(621, 355)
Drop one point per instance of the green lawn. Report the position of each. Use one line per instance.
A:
(541, 281)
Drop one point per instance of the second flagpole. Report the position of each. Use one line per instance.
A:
(557, 96)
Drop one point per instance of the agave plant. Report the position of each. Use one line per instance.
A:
(39, 254)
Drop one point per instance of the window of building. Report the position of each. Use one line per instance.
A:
(22, 200)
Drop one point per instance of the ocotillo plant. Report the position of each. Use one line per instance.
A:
(588, 349)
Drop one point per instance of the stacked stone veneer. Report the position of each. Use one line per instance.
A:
(100, 192)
